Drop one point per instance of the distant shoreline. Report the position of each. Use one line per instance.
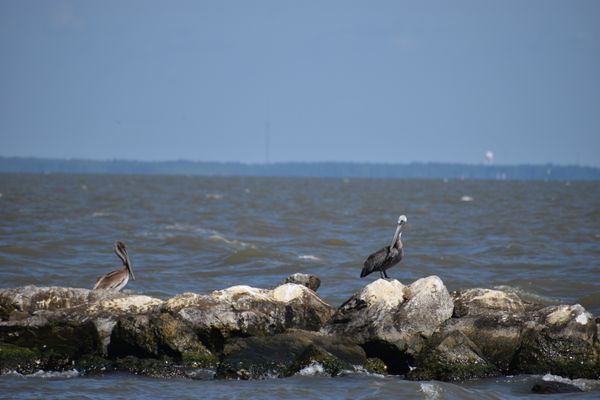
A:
(302, 169)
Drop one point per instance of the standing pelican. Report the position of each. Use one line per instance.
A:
(117, 279)
(387, 256)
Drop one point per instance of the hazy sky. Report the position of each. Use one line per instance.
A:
(377, 81)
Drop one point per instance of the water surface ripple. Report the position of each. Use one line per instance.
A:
(539, 239)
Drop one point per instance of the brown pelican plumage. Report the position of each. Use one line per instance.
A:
(387, 256)
(117, 279)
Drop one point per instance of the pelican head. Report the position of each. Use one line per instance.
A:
(121, 252)
(401, 222)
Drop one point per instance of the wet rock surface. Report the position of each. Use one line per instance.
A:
(419, 330)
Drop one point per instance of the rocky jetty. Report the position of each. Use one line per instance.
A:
(419, 330)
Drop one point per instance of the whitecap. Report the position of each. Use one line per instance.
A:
(579, 383)
(237, 243)
(359, 369)
(214, 196)
(431, 390)
(314, 368)
(467, 198)
(309, 257)
(99, 214)
(526, 295)
(180, 227)
(48, 374)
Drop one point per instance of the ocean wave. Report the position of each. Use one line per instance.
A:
(467, 198)
(527, 295)
(584, 384)
(431, 391)
(99, 214)
(314, 368)
(309, 257)
(335, 242)
(48, 374)
(234, 242)
(214, 196)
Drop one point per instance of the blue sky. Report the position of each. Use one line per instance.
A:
(363, 81)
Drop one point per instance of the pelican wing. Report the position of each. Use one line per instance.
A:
(375, 261)
(113, 280)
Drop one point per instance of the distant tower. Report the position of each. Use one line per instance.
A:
(489, 157)
(267, 140)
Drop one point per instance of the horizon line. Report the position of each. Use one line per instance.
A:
(258, 163)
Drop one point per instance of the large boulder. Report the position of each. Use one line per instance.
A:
(562, 340)
(493, 321)
(392, 321)
(241, 311)
(494, 332)
(451, 357)
(289, 353)
(159, 335)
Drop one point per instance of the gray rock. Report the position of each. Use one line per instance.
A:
(310, 281)
(246, 332)
(288, 353)
(450, 357)
(159, 335)
(246, 311)
(562, 340)
(493, 321)
(393, 321)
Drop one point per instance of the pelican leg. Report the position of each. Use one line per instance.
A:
(381, 274)
(385, 275)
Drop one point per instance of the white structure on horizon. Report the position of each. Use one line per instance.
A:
(489, 157)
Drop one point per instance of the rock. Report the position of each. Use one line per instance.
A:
(245, 311)
(392, 321)
(159, 336)
(249, 333)
(492, 320)
(23, 301)
(52, 346)
(486, 301)
(310, 281)
(286, 354)
(551, 387)
(562, 340)
(451, 357)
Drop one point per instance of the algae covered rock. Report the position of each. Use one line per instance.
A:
(243, 332)
(452, 357)
(562, 340)
(493, 320)
(286, 354)
(159, 336)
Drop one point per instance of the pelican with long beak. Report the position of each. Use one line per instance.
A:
(388, 256)
(117, 279)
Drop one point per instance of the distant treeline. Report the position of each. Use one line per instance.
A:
(317, 169)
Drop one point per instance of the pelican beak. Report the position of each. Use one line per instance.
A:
(396, 234)
(129, 266)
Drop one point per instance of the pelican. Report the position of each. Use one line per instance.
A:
(117, 279)
(387, 256)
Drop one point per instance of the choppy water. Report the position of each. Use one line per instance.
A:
(540, 239)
